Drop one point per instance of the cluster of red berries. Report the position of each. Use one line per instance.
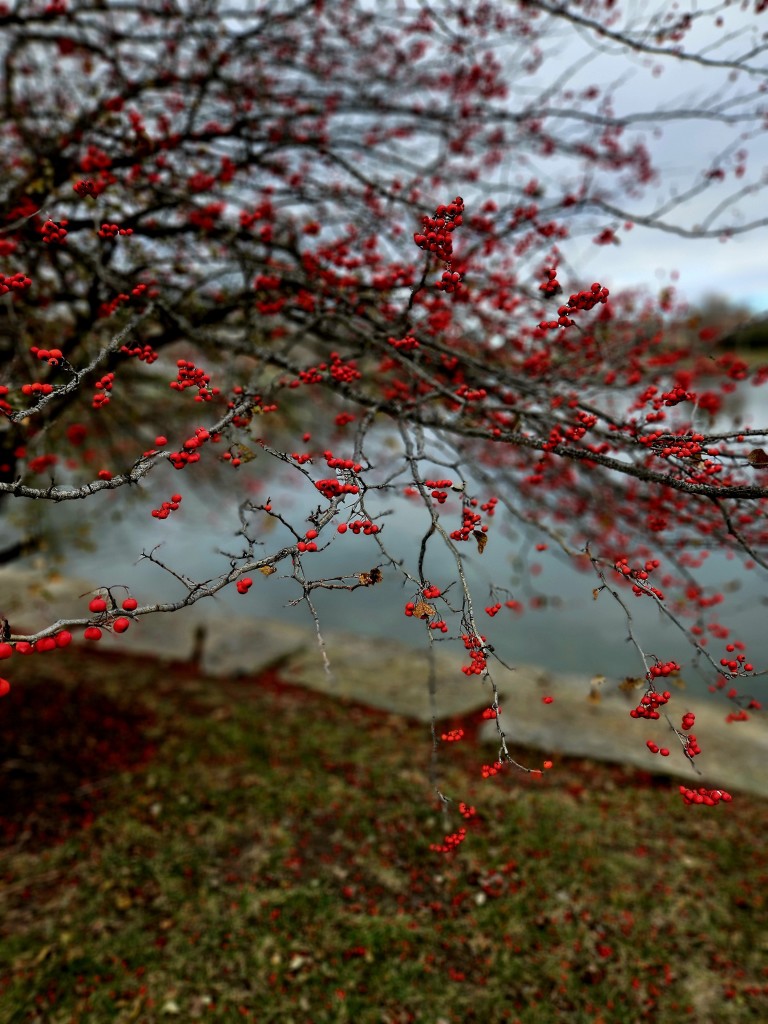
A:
(37, 388)
(709, 797)
(438, 624)
(551, 286)
(649, 703)
(113, 230)
(656, 749)
(478, 661)
(103, 386)
(263, 212)
(737, 664)
(489, 770)
(41, 462)
(641, 587)
(233, 460)
(348, 464)
(493, 609)
(331, 489)
(167, 507)
(47, 643)
(308, 544)
(469, 394)
(492, 712)
(364, 526)
(579, 301)
(84, 187)
(737, 716)
(452, 736)
(406, 344)
(341, 370)
(687, 446)
(676, 395)
(435, 236)
(663, 669)
(470, 522)
(621, 565)
(191, 376)
(449, 282)
(51, 356)
(436, 486)
(301, 459)
(344, 371)
(314, 375)
(450, 842)
(144, 353)
(17, 282)
(688, 720)
(334, 488)
(692, 747)
(244, 585)
(99, 606)
(53, 233)
(108, 308)
(189, 452)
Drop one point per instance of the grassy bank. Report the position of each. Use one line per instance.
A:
(174, 847)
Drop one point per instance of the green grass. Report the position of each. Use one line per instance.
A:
(179, 848)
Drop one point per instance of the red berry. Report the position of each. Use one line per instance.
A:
(120, 625)
(64, 638)
(5, 687)
(5, 651)
(92, 633)
(22, 647)
(98, 604)
(130, 604)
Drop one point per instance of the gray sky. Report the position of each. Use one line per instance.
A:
(682, 151)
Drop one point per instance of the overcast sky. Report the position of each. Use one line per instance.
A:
(683, 152)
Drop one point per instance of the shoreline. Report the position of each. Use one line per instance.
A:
(392, 677)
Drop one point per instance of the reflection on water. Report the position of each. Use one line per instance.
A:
(572, 633)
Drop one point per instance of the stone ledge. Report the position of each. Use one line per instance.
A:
(395, 678)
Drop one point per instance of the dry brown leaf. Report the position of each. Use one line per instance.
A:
(267, 570)
(758, 458)
(594, 689)
(422, 610)
(482, 540)
(630, 683)
(369, 579)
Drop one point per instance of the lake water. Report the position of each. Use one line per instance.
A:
(575, 635)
